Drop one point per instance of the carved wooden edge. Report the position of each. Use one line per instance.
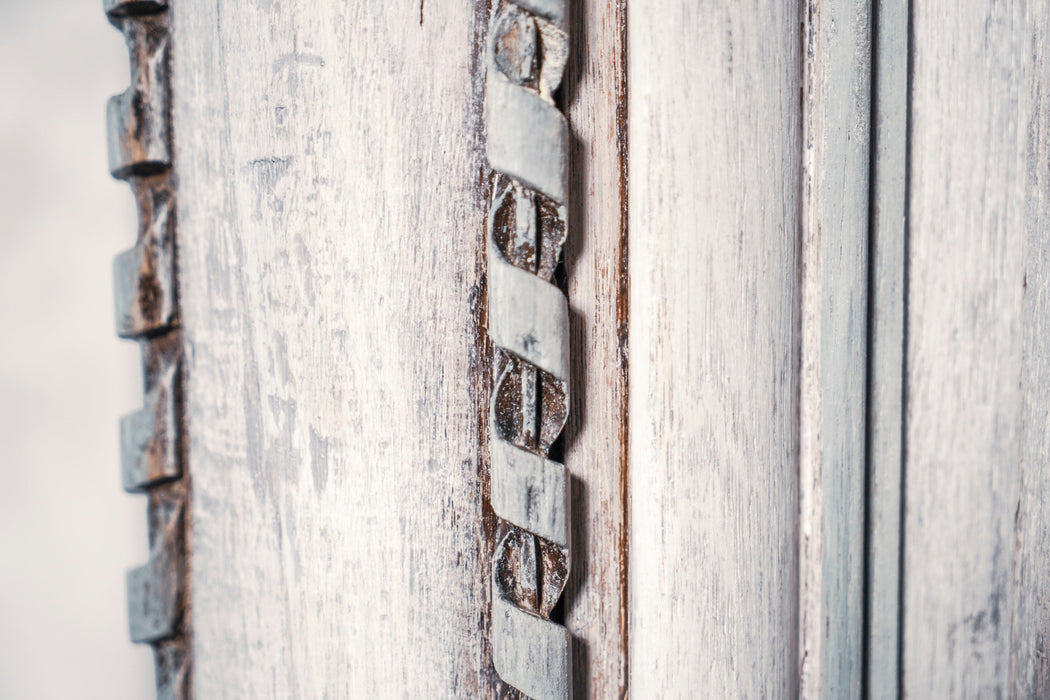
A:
(527, 145)
(146, 310)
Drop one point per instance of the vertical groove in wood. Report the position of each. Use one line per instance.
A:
(976, 160)
(833, 363)
(713, 229)
(596, 434)
(886, 345)
(329, 156)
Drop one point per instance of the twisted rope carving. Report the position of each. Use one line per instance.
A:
(146, 309)
(527, 147)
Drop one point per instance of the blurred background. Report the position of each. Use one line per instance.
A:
(67, 530)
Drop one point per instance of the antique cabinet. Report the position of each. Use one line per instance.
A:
(789, 341)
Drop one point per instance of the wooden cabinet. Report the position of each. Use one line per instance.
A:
(808, 295)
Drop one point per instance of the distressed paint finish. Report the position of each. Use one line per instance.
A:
(886, 344)
(301, 206)
(833, 364)
(527, 145)
(146, 309)
(331, 223)
(1030, 628)
(976, 590)
(596, 435)
(713, 211)
(975, 412)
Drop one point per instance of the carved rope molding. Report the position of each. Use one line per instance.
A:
(527, 142)
(152, 439)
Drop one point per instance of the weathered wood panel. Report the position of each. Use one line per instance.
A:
(1030, 628)
(975, 610)
(331, 230)
(713, 226)
(886, 344)
(595, 256)
(833, 363)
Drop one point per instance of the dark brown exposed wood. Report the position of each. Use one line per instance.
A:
(596, 437)
(153, 439)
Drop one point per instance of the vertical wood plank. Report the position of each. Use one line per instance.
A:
(713, 211)
(596, 439)
(832, 415)
(330, 219)
(965, 331)
(1030, 650)
(886, 344)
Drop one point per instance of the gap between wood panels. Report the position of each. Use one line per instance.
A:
(884, 477)
(906, 248)
(623, 347)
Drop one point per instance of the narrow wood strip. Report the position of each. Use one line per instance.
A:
(886, 346)
(596, 435)
(713, 233)
(833, 363)
(330, 218)
(1030, 624)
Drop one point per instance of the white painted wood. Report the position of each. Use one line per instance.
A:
(833, 363)
(713, 224)
(596, 434)
(886, 345)
(331, 241)
(331, 213)
(329, 254)
(975, 412)
(1030, 628)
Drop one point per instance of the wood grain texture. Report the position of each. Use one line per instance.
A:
(596, 435)
(713, 226)
(832, 415)
(975, 567)
(1030, 629)
(886, 344)
(331, 227)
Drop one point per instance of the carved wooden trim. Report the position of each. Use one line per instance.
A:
(146, 309)
(527, 141)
